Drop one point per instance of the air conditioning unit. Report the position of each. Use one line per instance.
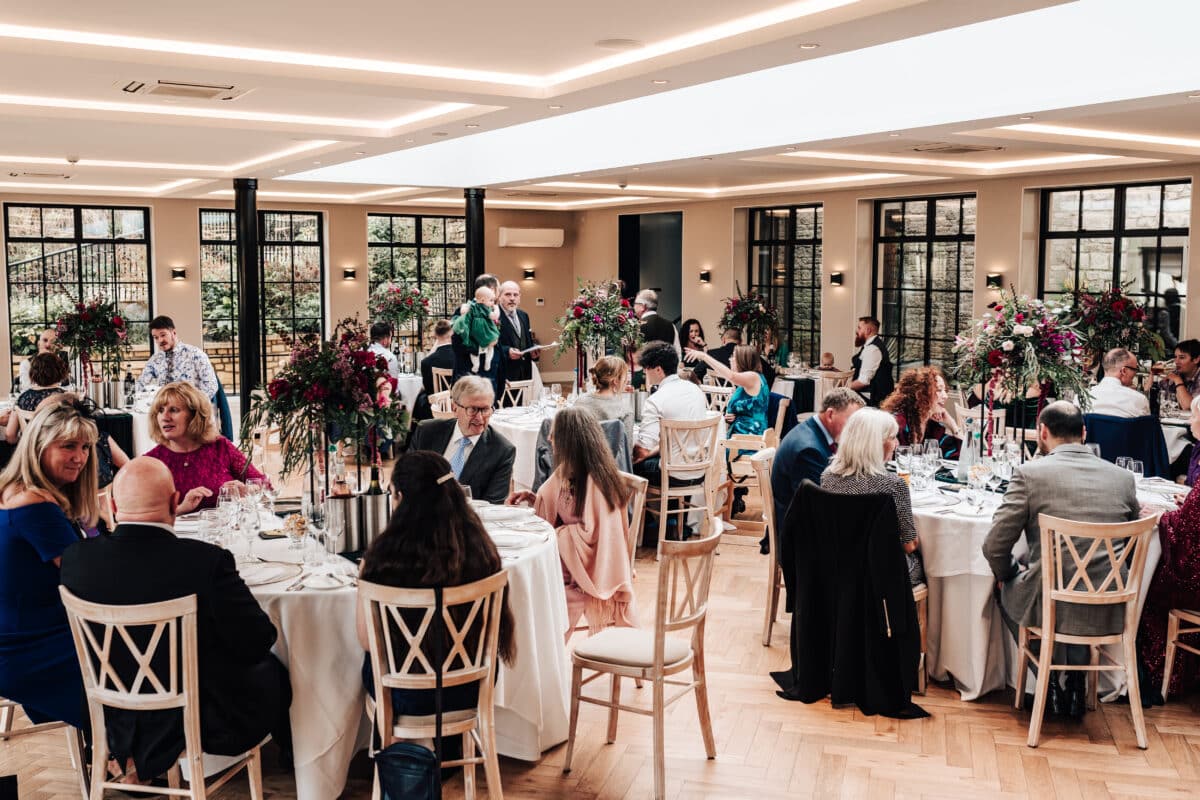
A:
(182, 90)
(531, 237)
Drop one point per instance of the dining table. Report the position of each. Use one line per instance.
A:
(521, 425)
(967, 641)
(313, 607)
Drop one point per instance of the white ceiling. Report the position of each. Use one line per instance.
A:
(350, 102)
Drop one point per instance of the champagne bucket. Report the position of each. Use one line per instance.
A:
(368, 516)
(340, 516)
(95, 392)
(116, 394)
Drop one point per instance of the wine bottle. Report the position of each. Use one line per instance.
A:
(129, 384)
(374, 488)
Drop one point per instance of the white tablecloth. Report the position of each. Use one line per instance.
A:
(1175, 433)
(319, 644)
(520, 425)
(967, 639)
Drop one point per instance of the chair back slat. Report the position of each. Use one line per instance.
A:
(688, 444)
(761, 462)
(442, 379)
(516, 393)
(441, 405)
(713, 379)
(717, 397)
(637, 486)
(998, 417)
(839, 379)
(1094, 563)
(684, 578)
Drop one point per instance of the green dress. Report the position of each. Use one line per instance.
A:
(750, 413)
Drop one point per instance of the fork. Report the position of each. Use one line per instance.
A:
(299, 584)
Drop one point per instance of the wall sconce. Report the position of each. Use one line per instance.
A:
(350, 274)
(995, 280)
(529, 273)
(179, 273)
(706, 276)
(835, 278)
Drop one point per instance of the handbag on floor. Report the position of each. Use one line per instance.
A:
(409, 771)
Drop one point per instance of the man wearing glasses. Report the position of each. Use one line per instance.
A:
(480, 457)
(1115, 396)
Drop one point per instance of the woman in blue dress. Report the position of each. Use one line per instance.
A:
(47, 492)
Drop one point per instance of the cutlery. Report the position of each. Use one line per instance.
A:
(299, 584)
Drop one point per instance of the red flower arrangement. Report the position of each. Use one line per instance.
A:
(599, 317)
(399, 303)
(751, 311)
(1113, 319)
(95, 330)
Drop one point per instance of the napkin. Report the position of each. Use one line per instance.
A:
(503, 513)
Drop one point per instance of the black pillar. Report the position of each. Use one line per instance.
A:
(245, 192)
(475, 266)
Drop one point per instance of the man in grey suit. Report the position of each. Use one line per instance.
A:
(480, 457)
(1071, 483)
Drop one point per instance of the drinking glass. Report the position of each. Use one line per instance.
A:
(248, 526)
(225, 494)
(1137, 468)
(210, 526)
(256, 487)
(904, 462)
(270, 493)
(313, 546)
(466, 490)
(994, 478)
(555, 392)
(1123, 462)
(333, 541)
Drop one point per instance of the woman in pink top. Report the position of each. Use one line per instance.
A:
(201, 460)
(585, 499)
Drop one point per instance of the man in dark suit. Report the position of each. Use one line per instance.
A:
(805, 451)
(654, 327)
(479, 456)
(244, 689)
(872, 365)
(462, 354)
(730, 338)
(441, 355)
(515, 335)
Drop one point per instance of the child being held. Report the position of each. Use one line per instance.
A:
(827, 362)
(478, 326)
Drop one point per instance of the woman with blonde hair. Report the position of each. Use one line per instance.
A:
(610, 376)
(918, 404)
(47, 499)
(859, 467)
(585, 499)
(201, 460)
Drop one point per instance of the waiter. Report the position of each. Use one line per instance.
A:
(872, 365)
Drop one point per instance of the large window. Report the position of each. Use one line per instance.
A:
(60, 255)
(430, 251)
(924, 275)
(1133, 236)
(785, 265)
(291, 249)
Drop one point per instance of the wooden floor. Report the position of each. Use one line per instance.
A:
(770, 748)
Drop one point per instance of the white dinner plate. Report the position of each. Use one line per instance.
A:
(514, 540)
(267, 572)
(324, 582)
(535, 525)
(964, 510)
(932, 500)
(492, 513)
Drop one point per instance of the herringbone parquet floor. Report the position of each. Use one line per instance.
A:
(768, 748)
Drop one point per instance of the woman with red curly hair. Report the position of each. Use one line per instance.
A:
(919, 405)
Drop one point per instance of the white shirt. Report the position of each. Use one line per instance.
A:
(871, 358)
(1110, 397)
(452, 446)
(393, 364)
(675, 399)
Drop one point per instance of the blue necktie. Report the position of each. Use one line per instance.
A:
(459, 459)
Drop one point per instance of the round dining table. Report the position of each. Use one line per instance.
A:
(521, 425)
(313, 608)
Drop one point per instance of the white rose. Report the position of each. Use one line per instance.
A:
(1007, 346)
(1022, 330)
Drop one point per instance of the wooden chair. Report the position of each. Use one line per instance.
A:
(1068, 549)
(774, 434)
(106, 509)
(921, 600)
(717, 397)
(762, 461)
(713, 379)
(169, 629)
(999, 415)
(1176, 629)
(839, 379)
(685, 446)
(443, 379)
(652, 655)
(397, 623)
(441, 405)
(517, 393)
(638, 487)
(8, 716)
(742, 474)
(265, 439)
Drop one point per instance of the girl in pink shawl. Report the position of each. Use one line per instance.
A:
(585, 500)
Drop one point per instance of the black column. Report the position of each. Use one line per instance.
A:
(245, 193)
(475, 266)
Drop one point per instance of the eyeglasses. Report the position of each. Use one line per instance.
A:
(476, 411)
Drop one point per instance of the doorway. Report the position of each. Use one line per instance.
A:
(650, 256)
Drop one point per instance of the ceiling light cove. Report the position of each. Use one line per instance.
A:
(84, 187)
(345, 198)
(830, 180)
(1115, 136)
(980, 166)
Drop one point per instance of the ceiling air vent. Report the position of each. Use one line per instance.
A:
(948, 149)
(185, 90)
(531, 194)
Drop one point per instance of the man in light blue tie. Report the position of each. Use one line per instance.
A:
(480, 457)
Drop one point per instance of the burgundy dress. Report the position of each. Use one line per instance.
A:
(211, 465)
(1176, 584)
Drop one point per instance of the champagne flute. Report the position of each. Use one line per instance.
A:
(249, 525)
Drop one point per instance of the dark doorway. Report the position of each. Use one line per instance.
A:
(650, 256)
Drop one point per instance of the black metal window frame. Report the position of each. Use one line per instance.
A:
(803, 336)
(138, 327)
(1117, 233)
(896, 340)
(210, 320)
(450, 292)
(290, 321)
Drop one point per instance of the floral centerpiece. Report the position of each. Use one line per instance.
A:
(596, 320)
(1021, 343)
(399, 303)
(337, 384)
(1113, 319)
(752, 312)
(95, 330)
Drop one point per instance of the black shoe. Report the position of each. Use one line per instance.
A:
(1056, 702)
(764, 546)
(1076, 693)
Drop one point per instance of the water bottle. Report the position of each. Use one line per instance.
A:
(969, 453)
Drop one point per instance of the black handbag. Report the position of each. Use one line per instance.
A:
(409, 771)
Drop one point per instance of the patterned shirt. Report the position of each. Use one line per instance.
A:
(183, 362)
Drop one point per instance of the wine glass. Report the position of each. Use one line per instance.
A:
(994, 478)
(904, 457)
(209, 527)
(1137, 468)
(1123, 462)
(556, 392)
(249, 525)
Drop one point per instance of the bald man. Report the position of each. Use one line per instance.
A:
(244, 689)
(514, 334)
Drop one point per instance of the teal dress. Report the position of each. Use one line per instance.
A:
(750, 413)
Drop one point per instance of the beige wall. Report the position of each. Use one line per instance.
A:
(175, 242)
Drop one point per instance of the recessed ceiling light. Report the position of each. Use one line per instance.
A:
(789, 148)
(707, 158)
(809, 46)
(440, 133)
(1025, 117)
(637, 169)
(281, 171)
(360, 152)
(660, 82)
(316, 162)
(555, 107)
(893, 135)
(408, 141)
(472, 125)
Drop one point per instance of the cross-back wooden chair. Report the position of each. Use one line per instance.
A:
(999, 417)
(762, 461)
(687, 451)
(441, 405)
(717, 397)
(774, 434)
(144, 632)
(713, 379)
(737, 452)
(1116, 553)
(839, 379)
(1180, 622)
(8, 718)
(399, 622)
(653, 655)
(443, 379)
(517, 393)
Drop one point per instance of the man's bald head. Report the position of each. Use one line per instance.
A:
(144, 491)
